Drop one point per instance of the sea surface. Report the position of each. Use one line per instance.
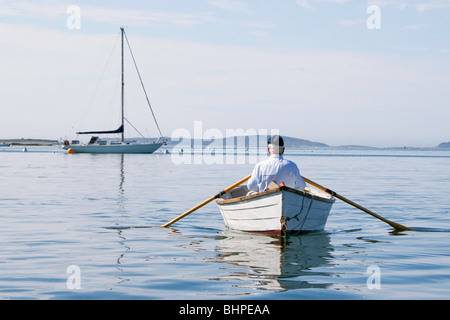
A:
(86, 226)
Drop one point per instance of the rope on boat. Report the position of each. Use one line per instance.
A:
(142, 84)
(298, 214)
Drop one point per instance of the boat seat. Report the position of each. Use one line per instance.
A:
(272, 185)
(237, 192)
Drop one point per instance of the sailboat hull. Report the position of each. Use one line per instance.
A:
(116, 148)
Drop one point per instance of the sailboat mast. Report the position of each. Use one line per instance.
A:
(123, 84)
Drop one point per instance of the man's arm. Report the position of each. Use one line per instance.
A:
(252, 183)
(300, 183)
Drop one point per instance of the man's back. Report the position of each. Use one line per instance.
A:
(277, 169)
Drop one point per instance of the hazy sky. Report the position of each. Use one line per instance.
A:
(333, 71)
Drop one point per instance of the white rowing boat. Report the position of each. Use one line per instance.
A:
(278, 211)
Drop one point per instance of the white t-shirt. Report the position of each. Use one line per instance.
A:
(277, 169)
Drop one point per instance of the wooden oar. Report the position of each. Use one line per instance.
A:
(392, 224)
(221, 193)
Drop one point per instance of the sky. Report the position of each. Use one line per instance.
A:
(340, 72)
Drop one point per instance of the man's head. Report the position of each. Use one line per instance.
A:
(275, 145)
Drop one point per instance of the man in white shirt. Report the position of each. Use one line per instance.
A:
(275, 168)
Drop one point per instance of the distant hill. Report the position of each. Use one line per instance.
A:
(444, 145)
(29, 142)
(354, 146)
(245, 140)
(295, 142)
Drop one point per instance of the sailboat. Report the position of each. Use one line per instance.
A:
(97, 145)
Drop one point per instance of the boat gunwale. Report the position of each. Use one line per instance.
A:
(280, 189)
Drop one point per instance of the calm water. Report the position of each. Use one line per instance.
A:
(86, 227)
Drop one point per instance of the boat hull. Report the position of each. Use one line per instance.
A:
(279, 211)
(118, 148)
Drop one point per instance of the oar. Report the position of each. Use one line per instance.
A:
(392, 224)
(221, 193)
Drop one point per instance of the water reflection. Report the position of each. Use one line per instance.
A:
(272, 263)
(122, 209)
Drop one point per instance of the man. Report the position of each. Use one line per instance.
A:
(275, 168)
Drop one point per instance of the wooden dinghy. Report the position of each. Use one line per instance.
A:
(279, 210)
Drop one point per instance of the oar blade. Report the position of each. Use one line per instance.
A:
(395, 225)
(234, 185)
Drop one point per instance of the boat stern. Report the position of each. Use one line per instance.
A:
(278, 211)
(254, 213)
